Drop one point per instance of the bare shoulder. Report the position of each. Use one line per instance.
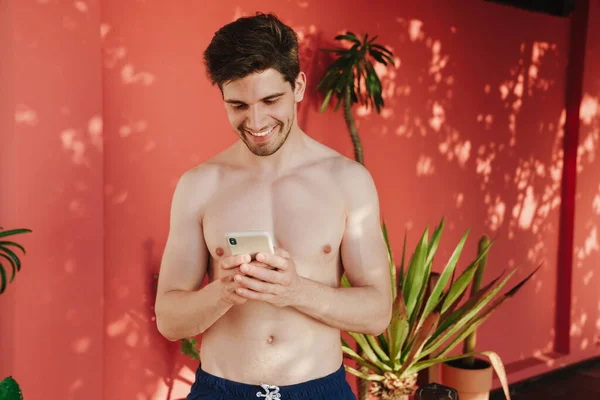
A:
(355, 183)
(198, 184)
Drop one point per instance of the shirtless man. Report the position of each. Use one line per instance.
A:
(271, 333)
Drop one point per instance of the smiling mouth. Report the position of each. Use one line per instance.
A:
(262, 133)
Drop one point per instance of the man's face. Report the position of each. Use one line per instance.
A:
(262, 109)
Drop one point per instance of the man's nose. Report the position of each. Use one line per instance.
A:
(256, 119)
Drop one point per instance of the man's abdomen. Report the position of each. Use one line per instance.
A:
(256, 343)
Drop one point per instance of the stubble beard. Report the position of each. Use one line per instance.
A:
(274, 144)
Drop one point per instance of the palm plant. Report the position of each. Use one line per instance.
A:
(8, 254)
(9, 388)
(345, 76)
(427, 324)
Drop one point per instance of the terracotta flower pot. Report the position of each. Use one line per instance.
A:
(471, 383)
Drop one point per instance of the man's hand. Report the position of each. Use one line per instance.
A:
(228, 267)
(279, 286)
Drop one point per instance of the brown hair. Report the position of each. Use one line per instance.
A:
(249, 45)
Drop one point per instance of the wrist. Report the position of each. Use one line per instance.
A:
(301, 295)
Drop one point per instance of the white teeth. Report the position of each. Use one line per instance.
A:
(262, 133)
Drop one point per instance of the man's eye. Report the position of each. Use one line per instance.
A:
(240, 107)
(269, 102)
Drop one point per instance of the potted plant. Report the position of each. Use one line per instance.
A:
(9, 388)
(471, 376)
(426, 324)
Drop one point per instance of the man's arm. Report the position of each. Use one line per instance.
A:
(366, 307)
(182, 310)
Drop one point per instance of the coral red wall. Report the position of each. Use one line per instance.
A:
(111, 105)
(55, 168)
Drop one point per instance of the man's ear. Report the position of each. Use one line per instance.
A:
(300, 87)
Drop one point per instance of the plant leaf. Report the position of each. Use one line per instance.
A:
(12, 264)
(443, 278)
(2, 278)
(10, 390)
(326, 101)
(189, 348)
(398, 328)
(415, 274)
(421, 337)
(368, 351)
(391, 264)
(463, 280)
(13, 232)
(378, 350)
(368, 377)
(13, 244)
(356, 357)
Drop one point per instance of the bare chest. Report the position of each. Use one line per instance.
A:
(304, 214)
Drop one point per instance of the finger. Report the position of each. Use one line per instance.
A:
(281, 252)
(258, 264)
(251, 295)
(263, 273)
(255, 284)
(229, 262)
(273, 260)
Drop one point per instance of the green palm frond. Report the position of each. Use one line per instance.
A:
(353, 69)
(9, 257)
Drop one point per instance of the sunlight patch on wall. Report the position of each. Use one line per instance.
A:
(25, 115)
(72, 142)
(496, 211)
(129, 76)
(415, 31)
(78, 384)
(179, 388)
(588, 109)
(454, 147)
(596, 202)
(118, 327)
(81, 6)
(588, 145)
(524, 211)
(425, 166)
(590, 244)
(438, 118)
(95, 126)
(133, 127)
(82, 345)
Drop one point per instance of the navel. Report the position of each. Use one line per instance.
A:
(270, 340)
(327, 249)
(219, 251)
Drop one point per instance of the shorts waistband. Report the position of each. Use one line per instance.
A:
(267, 391)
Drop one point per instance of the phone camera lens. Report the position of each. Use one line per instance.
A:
(232, 241)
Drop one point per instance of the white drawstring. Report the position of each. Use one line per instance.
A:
(269, 395)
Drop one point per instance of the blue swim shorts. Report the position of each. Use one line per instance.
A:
(331, 387)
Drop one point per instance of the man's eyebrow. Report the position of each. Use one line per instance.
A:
(269, 97)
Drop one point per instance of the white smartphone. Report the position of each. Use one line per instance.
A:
(250, 242)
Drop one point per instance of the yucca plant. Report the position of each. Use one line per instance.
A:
(10, 390)
(9, 255)
(427, 324)
(352, 68)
